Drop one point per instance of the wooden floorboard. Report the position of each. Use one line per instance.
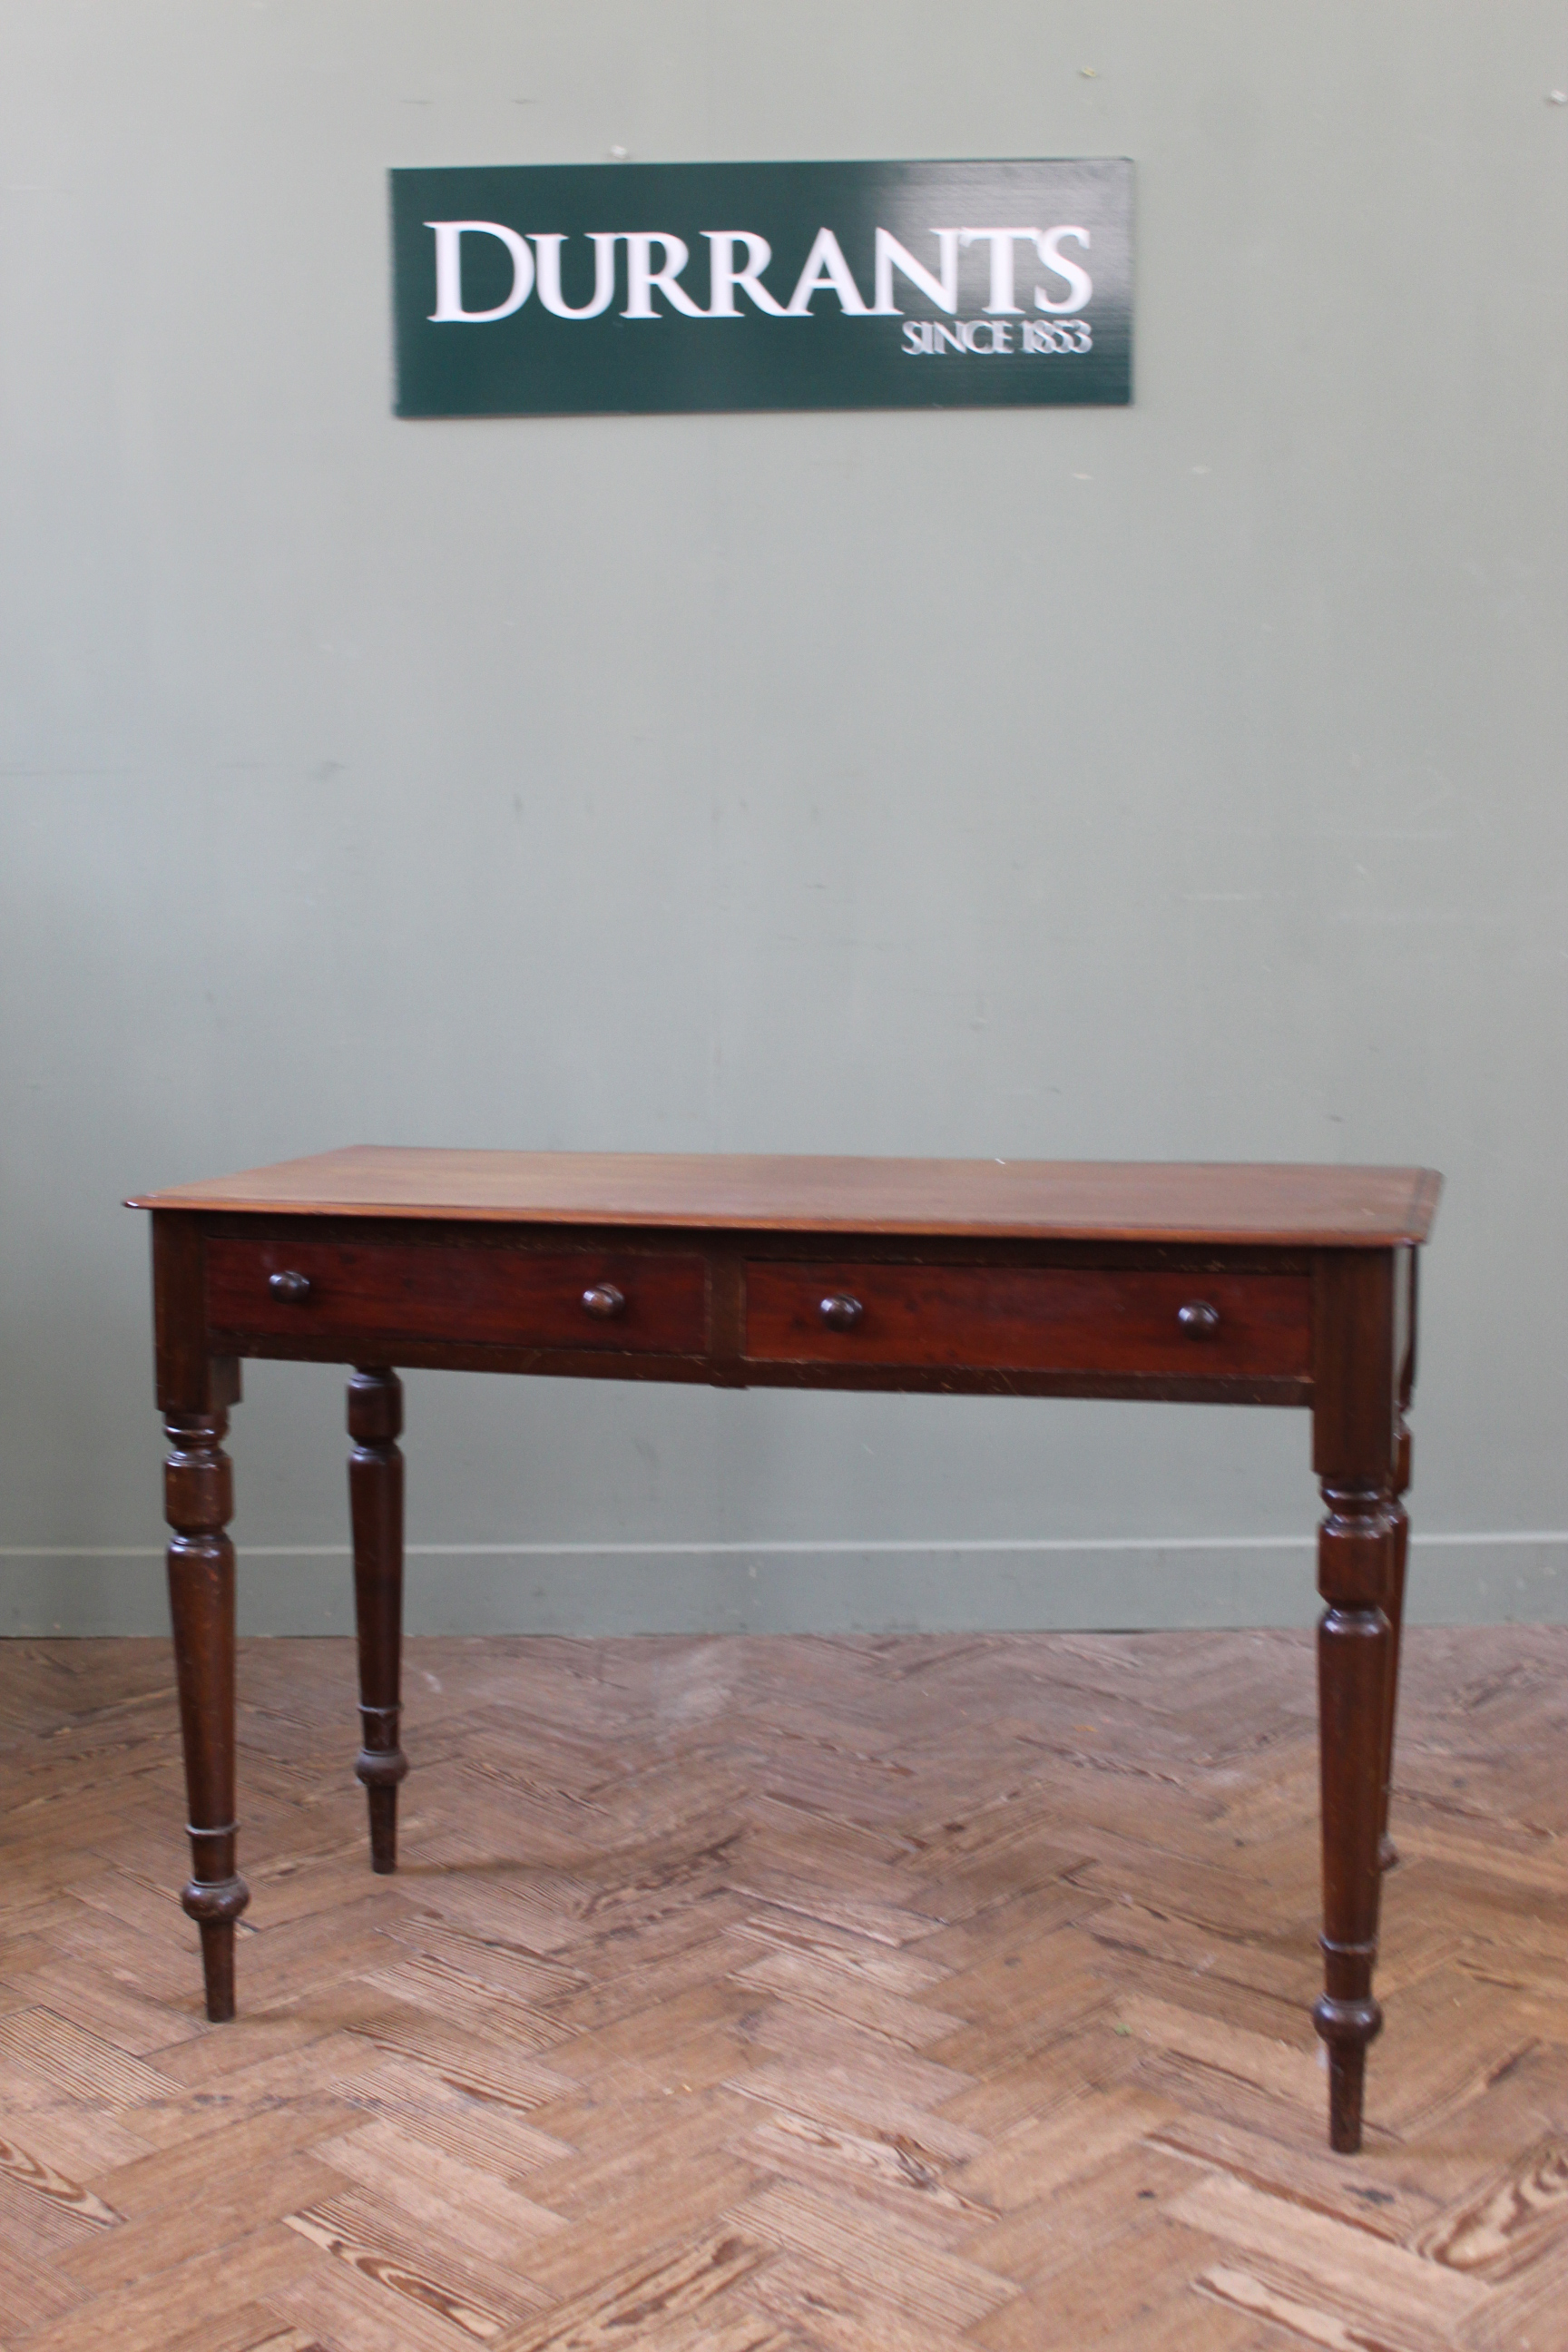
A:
(783, 1996)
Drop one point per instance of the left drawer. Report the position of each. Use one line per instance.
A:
(484, 1295)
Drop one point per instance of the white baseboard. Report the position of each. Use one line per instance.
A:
(1516, 1577)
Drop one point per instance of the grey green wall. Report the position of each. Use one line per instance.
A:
(1178, 780)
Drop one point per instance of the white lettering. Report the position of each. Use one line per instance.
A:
(1080, 283)
(981, 338)
(449, 270)
(604, 275)
(1001, 241)
(642, 277)
(826, 267)
(891, 256)
(725, 277)
(1044, 335)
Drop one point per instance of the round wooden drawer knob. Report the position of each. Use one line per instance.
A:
(841, 1314)
(1199, 1320)
(292, 1287)
(604, 1301)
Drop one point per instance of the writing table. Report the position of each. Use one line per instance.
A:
(1217, 1285)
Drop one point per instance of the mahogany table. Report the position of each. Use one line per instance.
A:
(1219, 1284)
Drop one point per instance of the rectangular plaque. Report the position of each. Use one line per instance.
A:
(596, 289)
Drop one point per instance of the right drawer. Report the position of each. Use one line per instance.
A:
(1029, 1319)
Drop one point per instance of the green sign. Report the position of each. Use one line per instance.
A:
(591, 289)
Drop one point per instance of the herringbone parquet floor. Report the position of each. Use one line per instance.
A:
(765, 1996)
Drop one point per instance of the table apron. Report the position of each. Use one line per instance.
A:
(721, 1372)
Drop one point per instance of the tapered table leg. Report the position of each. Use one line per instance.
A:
(1354, 1562)
(375, 1507)
(198, 1490)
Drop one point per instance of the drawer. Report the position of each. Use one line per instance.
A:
(1030, 1320)
(616, 1299)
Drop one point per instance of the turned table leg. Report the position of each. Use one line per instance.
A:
(375, 1507)
(1394, 1610)
(1354, 1548)
(1360, 1464)
(198, 1489)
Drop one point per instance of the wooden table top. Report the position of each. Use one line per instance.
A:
(1045, 1200)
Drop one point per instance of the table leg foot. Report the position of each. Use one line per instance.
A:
(1347, 2026)
(381, 1803)
(375, 1507)
(199, 1503)
(215, 1905)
